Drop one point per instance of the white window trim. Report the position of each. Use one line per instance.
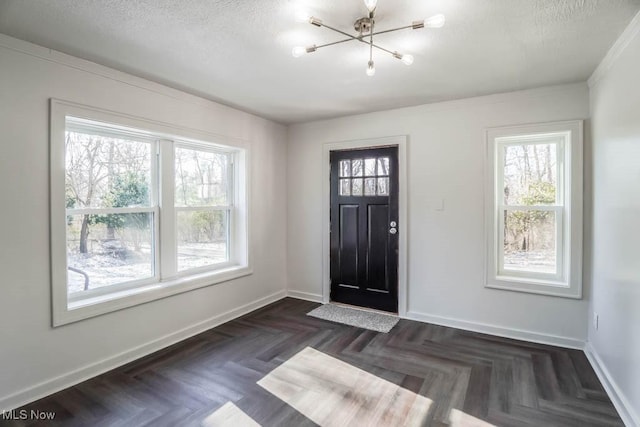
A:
(67, 310)
(568, 281)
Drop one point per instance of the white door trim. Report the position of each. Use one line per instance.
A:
(401, 142)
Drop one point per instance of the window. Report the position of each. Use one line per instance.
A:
(203, 207)
(364, 177)
(139, 213)
(534, 201)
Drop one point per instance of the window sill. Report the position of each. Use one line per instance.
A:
(98, 305)
(535, 286)
(532, 281)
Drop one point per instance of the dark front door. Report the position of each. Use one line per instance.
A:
(364, 228)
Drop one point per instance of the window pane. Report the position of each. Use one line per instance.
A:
(201, 178)
(530, 241)
(383, 166)
(104, 250)
(345, 187)
(530, 174)
(356, 167)
(369, 167)
(383, 186)
(369, 186)
(105, 172)
(357, 187)
(202, 238)
(345, 167)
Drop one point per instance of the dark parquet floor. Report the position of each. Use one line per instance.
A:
(501, 381)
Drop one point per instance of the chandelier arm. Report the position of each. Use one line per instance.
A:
(376, 46)
(340, 31)
(393, 29)
(360, 39)
(356, 39)
(332, 43)
(371, 40)
(383, 49)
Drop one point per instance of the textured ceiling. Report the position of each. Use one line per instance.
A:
(238, 52)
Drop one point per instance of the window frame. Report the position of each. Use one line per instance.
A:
(83, 125)
(228, 208)
(167, 281)
(567, 280)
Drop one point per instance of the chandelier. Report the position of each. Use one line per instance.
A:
(365, 28)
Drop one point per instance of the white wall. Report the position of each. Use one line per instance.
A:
(31, 352)
(446, 248)
(615, 115)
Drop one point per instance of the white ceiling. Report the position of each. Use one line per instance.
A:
(238, 52)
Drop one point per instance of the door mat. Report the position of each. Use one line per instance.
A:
(354, 317)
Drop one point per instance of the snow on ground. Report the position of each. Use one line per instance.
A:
(106, 269)
(537, 261)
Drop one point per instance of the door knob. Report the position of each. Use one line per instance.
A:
(393, 224)
(393, 230)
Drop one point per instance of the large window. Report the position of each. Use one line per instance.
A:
(534, 198)
(139, 214)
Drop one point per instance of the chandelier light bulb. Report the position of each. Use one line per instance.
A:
(407, 59)
(436, 21)
(298, 51)
(371, 4)
(371, 69)
(302, 16)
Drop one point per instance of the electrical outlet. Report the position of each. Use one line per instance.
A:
(596, 319)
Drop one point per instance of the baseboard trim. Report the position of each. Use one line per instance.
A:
(500, 331)
(619, 400)
(307, 296)
(69, 379)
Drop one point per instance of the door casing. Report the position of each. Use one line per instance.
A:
(401, 142)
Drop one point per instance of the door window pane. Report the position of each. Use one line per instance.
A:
(202, 238)
(369, 186)
(105, 250)
(345, 168)
(202, 178)
(357, 187)
(383, 166)
(369, 167)
(530, 174)
(345, 187)
(383, 186)
(530, 241)
(356, 167)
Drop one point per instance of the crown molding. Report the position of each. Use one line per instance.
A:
(615, 51)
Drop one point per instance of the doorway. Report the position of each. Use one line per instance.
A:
(364, 227)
